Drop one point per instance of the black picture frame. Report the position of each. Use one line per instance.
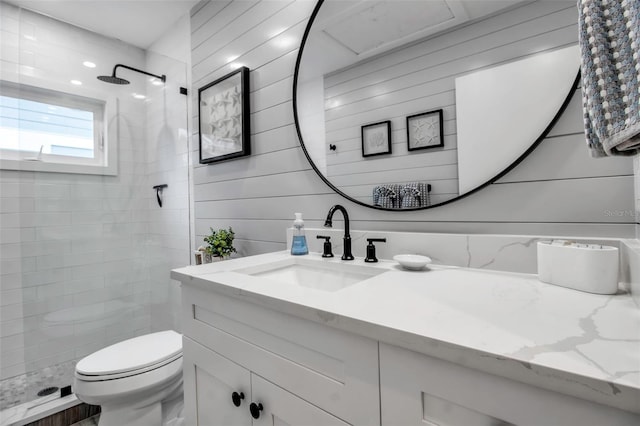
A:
(376, 139)
(223, 118)
(425, 130)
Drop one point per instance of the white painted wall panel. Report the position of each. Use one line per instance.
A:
(535, 200)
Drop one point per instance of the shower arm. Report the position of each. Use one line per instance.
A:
(161, 77)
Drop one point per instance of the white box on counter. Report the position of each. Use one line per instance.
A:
(586, 267)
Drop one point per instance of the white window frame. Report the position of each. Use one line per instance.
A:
(104, 161)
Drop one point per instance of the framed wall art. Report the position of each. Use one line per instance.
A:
(424, 130)
(376, 139)
(223, 111)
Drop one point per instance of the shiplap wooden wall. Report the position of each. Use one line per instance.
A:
(558, 190)
(421, 78)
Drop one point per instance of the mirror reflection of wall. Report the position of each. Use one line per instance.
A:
(343, 61)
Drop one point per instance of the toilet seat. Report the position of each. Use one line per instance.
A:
(121, 375)
(131, 357)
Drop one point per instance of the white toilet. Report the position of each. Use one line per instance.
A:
(137, 382)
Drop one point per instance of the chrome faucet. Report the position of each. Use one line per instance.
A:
(346, 240)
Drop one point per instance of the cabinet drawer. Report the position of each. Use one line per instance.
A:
(416, 389)
(332, 369)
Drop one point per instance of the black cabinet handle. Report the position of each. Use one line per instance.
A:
(255, 409)
(237, 398)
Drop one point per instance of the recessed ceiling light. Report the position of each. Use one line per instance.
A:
(89, 64)
(139, 96)
(235, 65)
(76, 82)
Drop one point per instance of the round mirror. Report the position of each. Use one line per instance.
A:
(411, 104)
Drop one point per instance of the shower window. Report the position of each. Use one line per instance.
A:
(50, 130)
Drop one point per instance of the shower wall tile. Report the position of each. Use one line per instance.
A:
(100, 244)
(70, 241)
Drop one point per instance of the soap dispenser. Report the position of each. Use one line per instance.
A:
(299, 243)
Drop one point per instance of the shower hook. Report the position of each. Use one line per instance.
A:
(159, 189)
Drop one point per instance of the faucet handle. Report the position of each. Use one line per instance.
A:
(326, 252)
(371, 249)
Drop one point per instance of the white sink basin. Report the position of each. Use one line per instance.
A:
(316, 274)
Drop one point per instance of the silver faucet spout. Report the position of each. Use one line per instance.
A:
(346, 240)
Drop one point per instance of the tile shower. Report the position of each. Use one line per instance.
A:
(86, 258)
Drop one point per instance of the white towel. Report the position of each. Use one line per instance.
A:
(610, 48)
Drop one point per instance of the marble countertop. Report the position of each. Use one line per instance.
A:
(508, 324)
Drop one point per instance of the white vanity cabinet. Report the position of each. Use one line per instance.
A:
(416, 389)
(317, 358)
(300, 371)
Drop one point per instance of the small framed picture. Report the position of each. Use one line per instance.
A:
(376, 139)
(223, 111)
(424, 130)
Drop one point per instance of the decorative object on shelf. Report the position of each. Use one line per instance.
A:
(376, 139)
(425, 130)
(223, 111)
(220, 244)
(412, 262)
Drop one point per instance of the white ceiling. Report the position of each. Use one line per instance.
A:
(137, 22)
(346, 32)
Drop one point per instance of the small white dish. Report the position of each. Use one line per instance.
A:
(412, 262)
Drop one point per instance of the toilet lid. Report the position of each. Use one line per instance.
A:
(131, 355)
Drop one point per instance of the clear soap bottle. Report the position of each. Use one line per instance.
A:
(299, 243)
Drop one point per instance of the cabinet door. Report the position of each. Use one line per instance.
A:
(416, 389)
(281, 408)
(209, 382)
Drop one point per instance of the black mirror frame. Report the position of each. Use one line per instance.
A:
(533, 146)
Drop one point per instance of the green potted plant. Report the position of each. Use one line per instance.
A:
(220, 243)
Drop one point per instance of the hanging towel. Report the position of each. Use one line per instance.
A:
(609, 34)
(411, 195)
(426, 194)
(386, 196)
